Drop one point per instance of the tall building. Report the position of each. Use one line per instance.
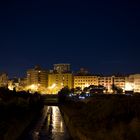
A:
(83, 81)
(83, 71)
(57, 81)
(3, 80)
(60, 77)
(62, 68)
(37, 76)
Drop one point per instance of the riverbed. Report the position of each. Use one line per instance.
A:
(50, 126)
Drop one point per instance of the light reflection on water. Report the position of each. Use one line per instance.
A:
(57, 121)
(50, 126)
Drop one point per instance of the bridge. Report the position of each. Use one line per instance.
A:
(50, 99)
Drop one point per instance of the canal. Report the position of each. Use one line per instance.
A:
(50, 126)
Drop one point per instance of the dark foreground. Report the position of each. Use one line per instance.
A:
(23, 116)
(105, 117)
(17, 110)
(100, 117)
(50, 126)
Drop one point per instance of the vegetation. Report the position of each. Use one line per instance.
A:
(17, 109)
(62, 95)
(116, 89)
(94, 89)
(103, 117)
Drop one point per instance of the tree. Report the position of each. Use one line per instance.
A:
(116, 89)
(78, 90)
(73, 90)
(86, 89)
(97, 89)
(63, 93)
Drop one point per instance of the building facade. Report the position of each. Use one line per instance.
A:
(3, 80)
(107, 82)
(62, 68)
(60, 77)
(119, 81)
(14, 84)
(83, 81)
(56, 81)
(37, 77)
(133, 83)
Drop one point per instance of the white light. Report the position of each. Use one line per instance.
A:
(129, 86)
(53, 86)
(10, 87)
(86, 85)
(32, 87)
(81, 97)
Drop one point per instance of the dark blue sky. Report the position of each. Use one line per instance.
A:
(102, 35)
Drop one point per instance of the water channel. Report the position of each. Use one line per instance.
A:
(50, 126)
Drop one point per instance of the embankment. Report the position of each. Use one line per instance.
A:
(17, 111)
(17, 127)
(74, 124)
(103, 117)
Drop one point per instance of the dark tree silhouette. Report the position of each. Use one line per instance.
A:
(63, 94)
(116, 89)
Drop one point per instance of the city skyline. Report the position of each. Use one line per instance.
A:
(51, 82)
(21, 74)
(100, 35)
(69, 69)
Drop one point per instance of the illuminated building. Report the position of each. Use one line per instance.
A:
(22, 84)
(41, 81)
(137, 83)
(3, 80)
(133, 83)
(83, 81)
(62, 68)
(13, 84)
(19, 84)
(60, 77)
(119, 81)
(56, 81)
(107, 82)
(83, 71)
(37, 77)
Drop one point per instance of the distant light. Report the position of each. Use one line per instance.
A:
(129, 86)
(87, 85)
(10, 87)
(87, 95)
(82, 97)
(33, 87)
(53, 86)
(70, 95)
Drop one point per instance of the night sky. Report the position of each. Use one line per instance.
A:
(101, 35)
